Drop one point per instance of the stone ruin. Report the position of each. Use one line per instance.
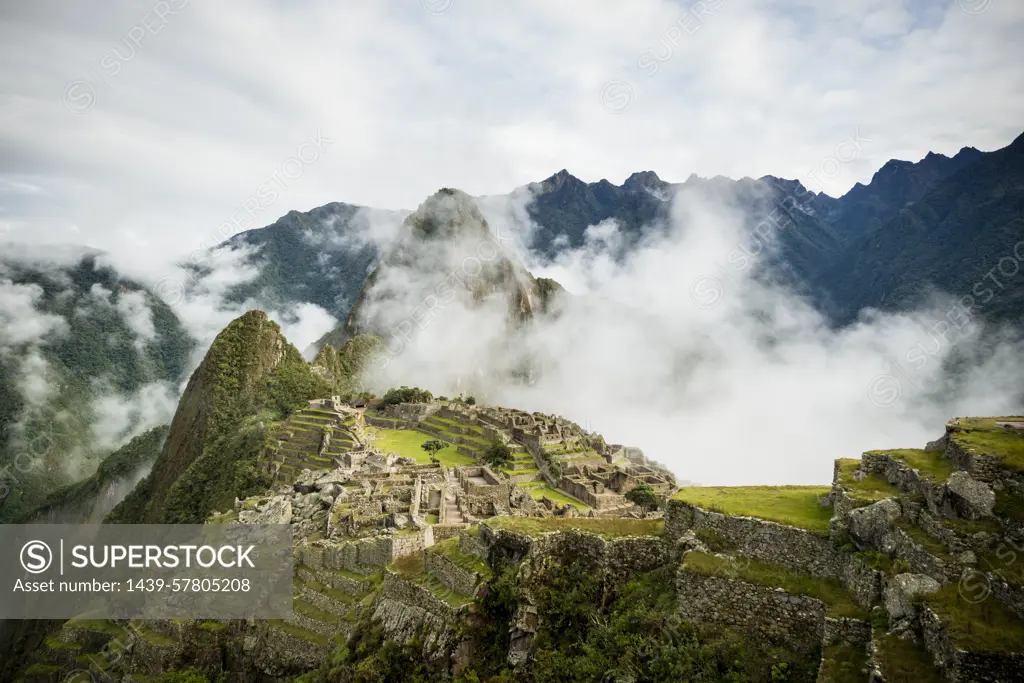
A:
(603, 487)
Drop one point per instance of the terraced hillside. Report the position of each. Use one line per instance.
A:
(929, 537)
(297, 443)
(907, 568)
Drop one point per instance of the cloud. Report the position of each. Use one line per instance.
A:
(748, 386)
(485, 97)
(20, 320)
(138, 316)
(120, 417)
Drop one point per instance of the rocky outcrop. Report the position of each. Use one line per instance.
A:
(902, 593)
(972, 499)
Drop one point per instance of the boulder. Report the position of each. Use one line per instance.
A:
(869, 525)
(971, 498)
(333, 490)
(305, 482)
(901, 591)
(278, 510)
(334, 478)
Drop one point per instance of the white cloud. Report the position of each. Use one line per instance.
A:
(486, 97)
(137, 315)
(120, 417)
(20, 320)
(748, 386)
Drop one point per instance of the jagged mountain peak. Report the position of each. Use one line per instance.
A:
(643, 180)
(446, 214)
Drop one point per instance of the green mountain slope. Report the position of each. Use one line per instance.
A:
(959, 238)
(250, 378)
(74, 331)
(89, 500)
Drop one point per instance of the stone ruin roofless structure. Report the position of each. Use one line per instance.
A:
(341, 485)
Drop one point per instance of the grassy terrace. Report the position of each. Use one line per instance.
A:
(411, 567)
(837, 601)
(869, 489)
(934, 466)
(455, 423)
(793, 505)
(608, 528)
(299, 633)
(924, 539)
(408, 443)
(450, 549)
(985, 437)
(986, 626)
(904, 661)
(542, 490)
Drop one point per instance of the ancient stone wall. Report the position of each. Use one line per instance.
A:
(450, 574)
(846, 631)
(415, 595)
(472, 544)
(981, 467)
(363, 555)
(920, 560)
(791, 621)
(407, 544)
(443, 532)
(796, 549)
(904, 478)
(960, 665)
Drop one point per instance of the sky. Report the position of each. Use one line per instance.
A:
(150, 129)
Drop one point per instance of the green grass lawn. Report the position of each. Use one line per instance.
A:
(869, 489)
(539, 492)
(983, 436)
(838, 602)
(934, 466)
(986, 626)
(609, 528)
(408, 442)
(794, 505)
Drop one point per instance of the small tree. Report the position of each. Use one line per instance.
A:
(642, 495)
(470, 401)
(497, 455)
(433, 446)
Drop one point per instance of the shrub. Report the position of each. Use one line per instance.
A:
(497, 455)
(643, 496)
(406, 395)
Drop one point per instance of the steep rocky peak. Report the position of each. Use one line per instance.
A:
(562, 180)
(447, 214)
(642, 180)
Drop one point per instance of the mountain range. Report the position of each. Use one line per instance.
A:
(76, 329)
(939, 224)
